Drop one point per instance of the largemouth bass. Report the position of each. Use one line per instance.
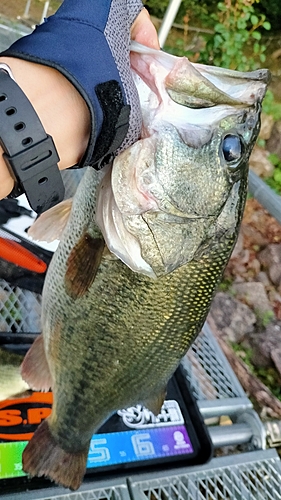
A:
(131, 282)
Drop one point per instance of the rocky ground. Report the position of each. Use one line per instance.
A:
(246, 310)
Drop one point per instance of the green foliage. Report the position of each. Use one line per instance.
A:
(238, 27)
(156, 7)
(272, 10)
(264, 318)
(200, 12)
(225, 284)
(196, 12)
(271, 379)
(237, 41)
(275, 180)
(179, 49)
(261, 142)
(245, 353)
(271, 107)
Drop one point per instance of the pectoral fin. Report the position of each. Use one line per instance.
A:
(82, 265)
(155, 403)
(50, 225)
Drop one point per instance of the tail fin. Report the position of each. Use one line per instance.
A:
(44, 457)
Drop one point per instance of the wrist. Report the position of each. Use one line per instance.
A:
(7, 183)
(61, 109)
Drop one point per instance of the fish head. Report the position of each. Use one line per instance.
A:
(166, 193)
(190, 180)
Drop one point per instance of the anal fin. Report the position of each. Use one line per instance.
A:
(82, 265)
(35, 369)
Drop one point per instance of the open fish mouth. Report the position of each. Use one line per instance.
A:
(203, 86)
(190, 95)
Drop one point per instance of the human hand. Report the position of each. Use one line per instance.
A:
(143, 30)
(60, 107)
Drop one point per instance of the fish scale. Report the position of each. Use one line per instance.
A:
(142, 252)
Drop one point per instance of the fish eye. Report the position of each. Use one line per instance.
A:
(231, 147)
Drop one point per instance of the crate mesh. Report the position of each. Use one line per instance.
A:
(206, 370)
(20, 310)
(258, 480)
(95, 494)
(105, 490)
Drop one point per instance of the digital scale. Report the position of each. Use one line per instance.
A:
(132, 438)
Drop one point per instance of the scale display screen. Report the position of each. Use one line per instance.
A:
(132, 437)
(146, 437)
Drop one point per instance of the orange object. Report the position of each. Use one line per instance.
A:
(19, 414)
(13, 252)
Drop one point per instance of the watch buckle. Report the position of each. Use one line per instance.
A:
(7, 69)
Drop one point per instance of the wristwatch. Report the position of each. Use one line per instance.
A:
(29, 152)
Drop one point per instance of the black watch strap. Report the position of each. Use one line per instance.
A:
(29, 153)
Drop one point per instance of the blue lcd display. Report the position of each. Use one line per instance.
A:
(130, 446)
(135, 436)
